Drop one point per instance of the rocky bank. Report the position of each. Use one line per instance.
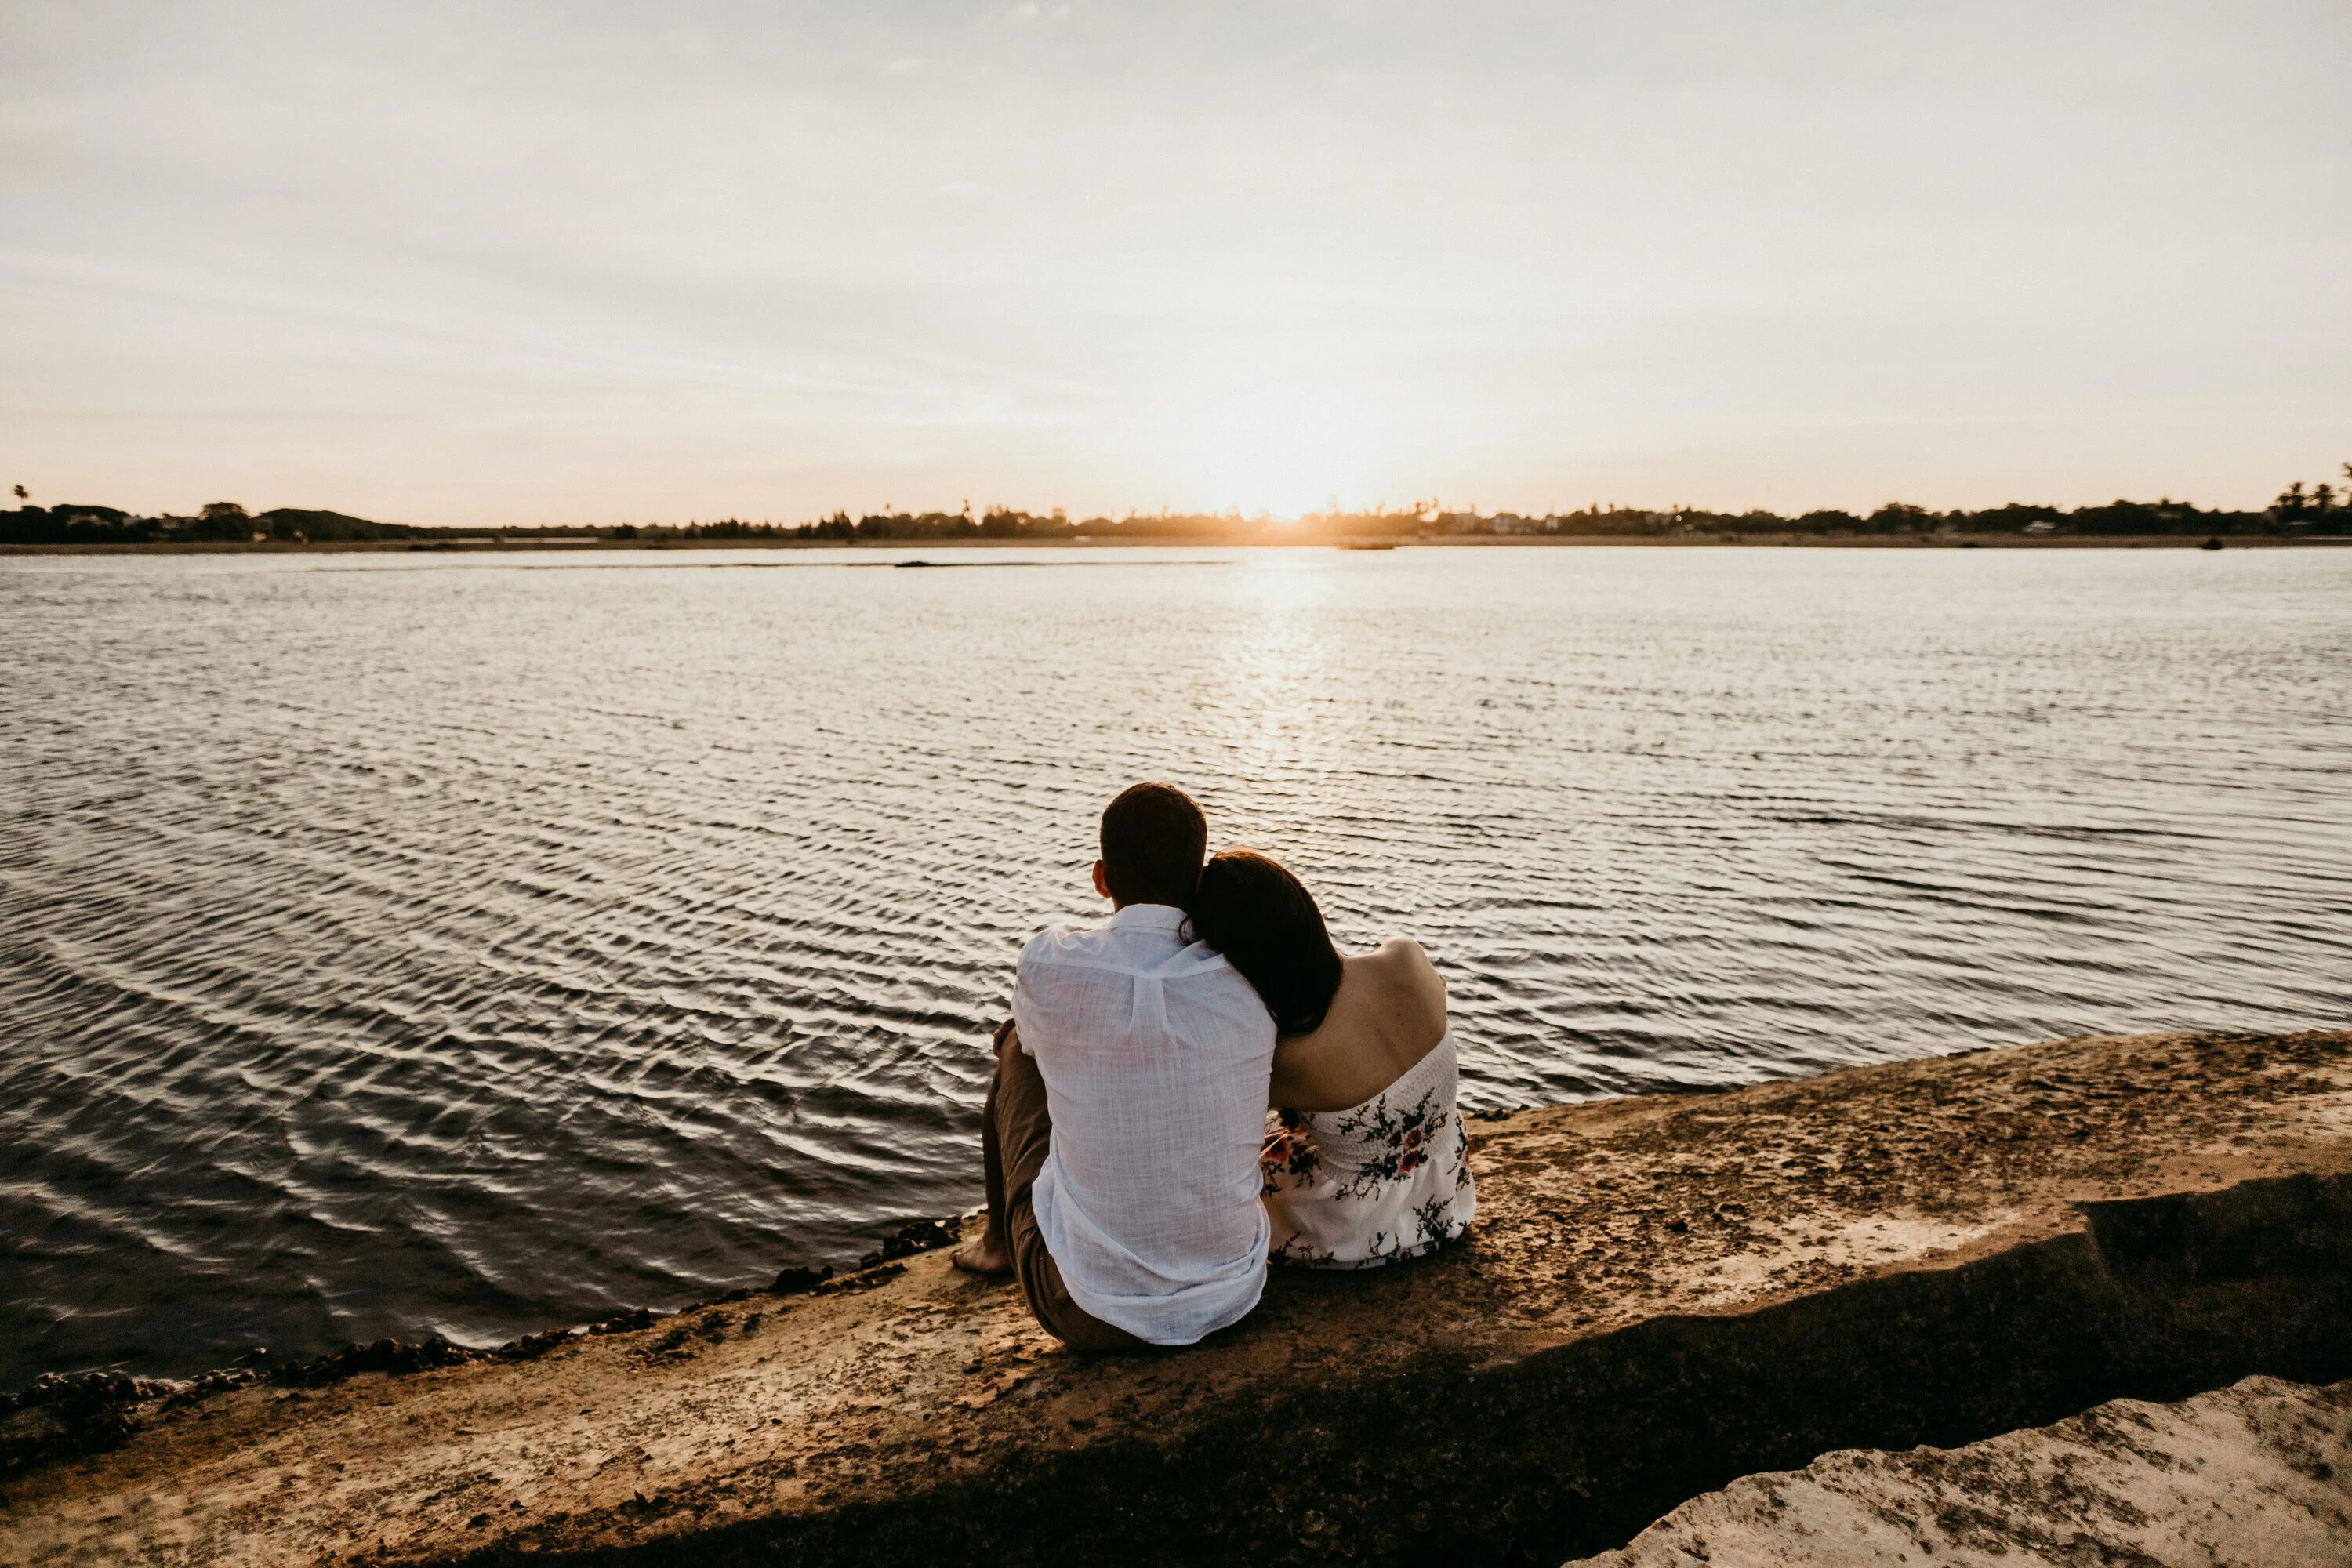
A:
(2256, 1474)
(1663, 1295)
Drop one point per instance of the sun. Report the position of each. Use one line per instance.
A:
(1282, 445)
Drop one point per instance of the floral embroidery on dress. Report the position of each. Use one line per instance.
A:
(1399, 1143)
(1288, 1152)
(1385, 1181)
(1295, 1250)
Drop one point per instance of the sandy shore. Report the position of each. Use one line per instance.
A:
(1662, 1295)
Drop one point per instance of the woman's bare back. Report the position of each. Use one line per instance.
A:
(1389, 1011)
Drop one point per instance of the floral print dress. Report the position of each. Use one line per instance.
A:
(1387, 1181)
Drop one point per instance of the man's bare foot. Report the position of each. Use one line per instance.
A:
(988, 1255)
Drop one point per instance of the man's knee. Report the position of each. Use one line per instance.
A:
(1006, 1047)
(1016, 1071)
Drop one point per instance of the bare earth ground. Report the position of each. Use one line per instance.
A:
(1661, 1295)
(2260, 1474)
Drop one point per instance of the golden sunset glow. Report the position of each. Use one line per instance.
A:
(593, 263)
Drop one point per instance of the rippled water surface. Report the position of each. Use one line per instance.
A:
(392, 943)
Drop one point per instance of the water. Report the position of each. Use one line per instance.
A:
(397, 943)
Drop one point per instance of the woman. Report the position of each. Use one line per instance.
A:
(1367, 1159)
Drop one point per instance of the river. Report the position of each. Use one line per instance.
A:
(392, 943)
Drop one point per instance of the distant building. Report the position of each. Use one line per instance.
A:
(1512, 522)
(2043, 527)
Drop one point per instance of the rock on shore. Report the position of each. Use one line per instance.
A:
(2257, 1474)
(1663, 1295)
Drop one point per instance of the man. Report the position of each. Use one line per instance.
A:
(1122, 1134)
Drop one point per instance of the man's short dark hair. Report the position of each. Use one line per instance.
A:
(1153, 837)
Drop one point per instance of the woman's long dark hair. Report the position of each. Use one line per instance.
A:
(1265, 921)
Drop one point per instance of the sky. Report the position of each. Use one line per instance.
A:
(581, 262)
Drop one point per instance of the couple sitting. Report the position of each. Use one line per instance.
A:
(1137, 1182)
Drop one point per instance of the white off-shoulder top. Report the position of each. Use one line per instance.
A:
(1386, 1181)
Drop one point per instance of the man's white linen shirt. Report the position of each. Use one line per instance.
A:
(1157, 1057)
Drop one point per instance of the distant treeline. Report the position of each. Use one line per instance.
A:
(220, 522)
(226, 522)
(1430, 520)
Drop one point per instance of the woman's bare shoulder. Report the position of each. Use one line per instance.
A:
(1402, 950)
(1402, 960)
(1411, 978)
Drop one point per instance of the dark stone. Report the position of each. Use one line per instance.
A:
(792, 1282)
(915, 1235)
